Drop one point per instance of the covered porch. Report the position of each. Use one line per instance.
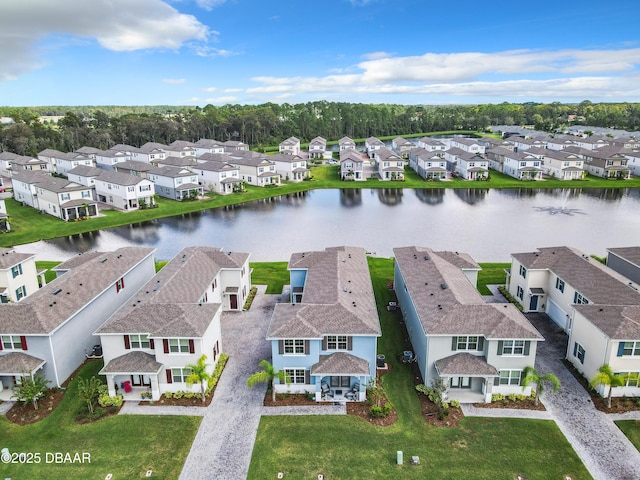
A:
(572, 173)
(341, 377)
(229, 185)
(477, 173)
(468, 377)
(13, 367)
(133, 375)
(189, 190)
(299, 174)
(530, 173)
(78, 209)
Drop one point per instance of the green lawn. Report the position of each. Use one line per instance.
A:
(49, 275)
(345, 447)
(631, 428)
(491, 274)
(272, 274)
(29, 225)
(124, 445)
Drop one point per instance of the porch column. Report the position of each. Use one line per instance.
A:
(111, 385)
(155, 387)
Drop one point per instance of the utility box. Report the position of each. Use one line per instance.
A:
(399, 457)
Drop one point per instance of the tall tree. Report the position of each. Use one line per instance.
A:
(532, 376)
(606, 377)
(199, 375)
(268, 375)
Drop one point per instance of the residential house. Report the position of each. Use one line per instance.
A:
(90, 152)
(351, 165)
(68, 161)
(86, 176)
(51, 330)
(345, 143)
(134, 167)
(371, 145)
(496, 157)
(522, 144)
(389, 165)
(53, 195)
(555, 279)
(488, 143)
(256, 169)
(560, 142)
(148, 152)
(181, 148)
(50, 156)
(592, 142)
(217, 176)
(5, 226)
(290, 167)
(630, 143)
(177, 162)
(428, 164)
(205, 145)
(605, 162)
(172, 321)
(633, 157)
(109, 158)
(625, 261)
(522, 166)
(559, 164)
(469, 145)
(30, 164)
(472, 166)
(431, 144)
(18, 275)
(317, 147)
(124, 191)
(175, 183)
(402, 146)
(231, 146)
(5, 163)
(290, 146)
(325, 340)
(477, 349)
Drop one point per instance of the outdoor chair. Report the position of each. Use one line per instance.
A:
(325, 391)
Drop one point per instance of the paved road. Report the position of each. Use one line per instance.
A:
(599, 443)
(223, 445)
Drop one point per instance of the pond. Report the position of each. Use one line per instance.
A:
(488, 224)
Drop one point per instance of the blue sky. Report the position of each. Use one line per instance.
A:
(196, 52)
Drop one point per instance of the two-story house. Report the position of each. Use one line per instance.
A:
(231, 146)
(475, 348)
(290, 146)
(124, 191)
(18, 275)
(290, 167)
(172, 321)
(317, 147)
(431, 144)
(522, 165)
(351, 165)
(389, 165)
(468, 145)
(109, 158)
(325, 339)
(345, 143)
(625, 261)
(217, 176)
(148, 152)
(68, 161)
(604, 162)
(402, 146)
(175, 183)
(371, 145)
(22, 163)
(255, 169)
(85, 176)
(206, 145)
(52, 328)
(559, 164)
(472, 166)
(428, 164)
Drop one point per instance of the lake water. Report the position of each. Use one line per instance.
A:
(488, 224)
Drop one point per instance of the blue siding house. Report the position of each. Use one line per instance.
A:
(325, 340)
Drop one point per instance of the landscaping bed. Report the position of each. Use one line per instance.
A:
(363, 409)
(289, 400)
(181, 402)
(24, 414)
(521, 404)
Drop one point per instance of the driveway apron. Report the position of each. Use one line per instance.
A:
(224, 442)
(599, 443)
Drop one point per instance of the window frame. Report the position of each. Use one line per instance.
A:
(579, 352)
(560, 284)
(512, 346)
(634, 349)
(9, 342)
(184, 372)
(178, 344)
(296, 376)
(337, 342)
(520, 292)
(139, 339)
(293, 346)
(510, 379)
(523, 271)
(466, 343)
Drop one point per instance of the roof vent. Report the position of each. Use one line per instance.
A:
(56, 292)
(602, 309)
(426, 257)
(443, 286)
(103, 260)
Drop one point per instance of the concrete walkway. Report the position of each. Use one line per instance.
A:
(6, 406)
(306, 410)
(470, 411)
(603, 448)
(136, 408)
(224, 443)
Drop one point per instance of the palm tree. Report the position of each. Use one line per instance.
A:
(607, 377)
(531, 375)
(199, 375)
(268, 374)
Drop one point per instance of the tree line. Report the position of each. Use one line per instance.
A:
(268, 124)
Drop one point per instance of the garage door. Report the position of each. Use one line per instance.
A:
(556, 313)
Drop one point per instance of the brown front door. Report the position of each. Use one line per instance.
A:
(234, 301)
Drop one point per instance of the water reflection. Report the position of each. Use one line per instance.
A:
(350, 197)
(519, 192)
(390, 196)
(472, 196)
(430, 196)
(560, 210)
(609, 194)
(146, 233)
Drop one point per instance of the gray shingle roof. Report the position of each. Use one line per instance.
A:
(340, 363)
(601, 285)
(17, 363)
(9, 258)
(86, 171)
(630, 254)
(465, 364)
(346, 141)
(616, 321)
(48, 308)
(132, 362)
(214, 166)
(337, 299)
(448, 304)
(120, 178)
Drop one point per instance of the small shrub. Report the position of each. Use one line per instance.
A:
(375, 411)
(497, 397)
(168, 395)
(310, 395)
(521, 396)
(106, 401)
(386, 409)
(454, 403)
(222, 361)
(422, 388)
(512, 397)
(178, 394)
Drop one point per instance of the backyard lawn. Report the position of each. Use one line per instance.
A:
(272, 274)
(631, 428)
(125, 445)
(346, 447)
(491, 274)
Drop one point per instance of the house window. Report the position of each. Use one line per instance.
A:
(510, 377)
(294, 347)
(579, 299)
(560, 284)
(472, 164)
(178, 345)
(131, 189)
(214, 284)
(11, 342)
(86, 193)
(65, 196)
(460, 382)
(145, 188)
(119, 284)
(139, 341)
(295, 375)
(343, 382)
(467, 343)
(520, 292)
(179, 375)
(513, 347)
(16, 270)
(523, 271)
(523, 164)
(337, 342)
(578, 351)
(21, 292)
(629, 349)
(632, 379)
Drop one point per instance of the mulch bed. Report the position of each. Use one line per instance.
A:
(361, 409)
(289, 400)
(430, 410)
(618, 404)
(527, 404)
(179, 402)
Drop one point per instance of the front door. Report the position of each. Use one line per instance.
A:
(233, 299)
(533, 303)
(460, 382)
(140, 380)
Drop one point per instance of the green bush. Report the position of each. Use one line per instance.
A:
(222, 361)
(454, 403)
(497, 397)
(512, 397)
(178, 394)
(168, 395)
(106, 401)
(380, 411)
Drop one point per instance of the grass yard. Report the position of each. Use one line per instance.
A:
(345, 447)
(272, 274)
(631, 428)
(49, 275)
(124, 445)
(491, 274)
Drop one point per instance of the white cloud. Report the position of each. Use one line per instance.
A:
(209, 4)
(376, 55)
(222, 100)
(232, 90)
(119, 25)
(207, 51)
(174, 81)
(209, 89)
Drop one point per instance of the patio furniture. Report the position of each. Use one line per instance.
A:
(352, 394)
(325, 391)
